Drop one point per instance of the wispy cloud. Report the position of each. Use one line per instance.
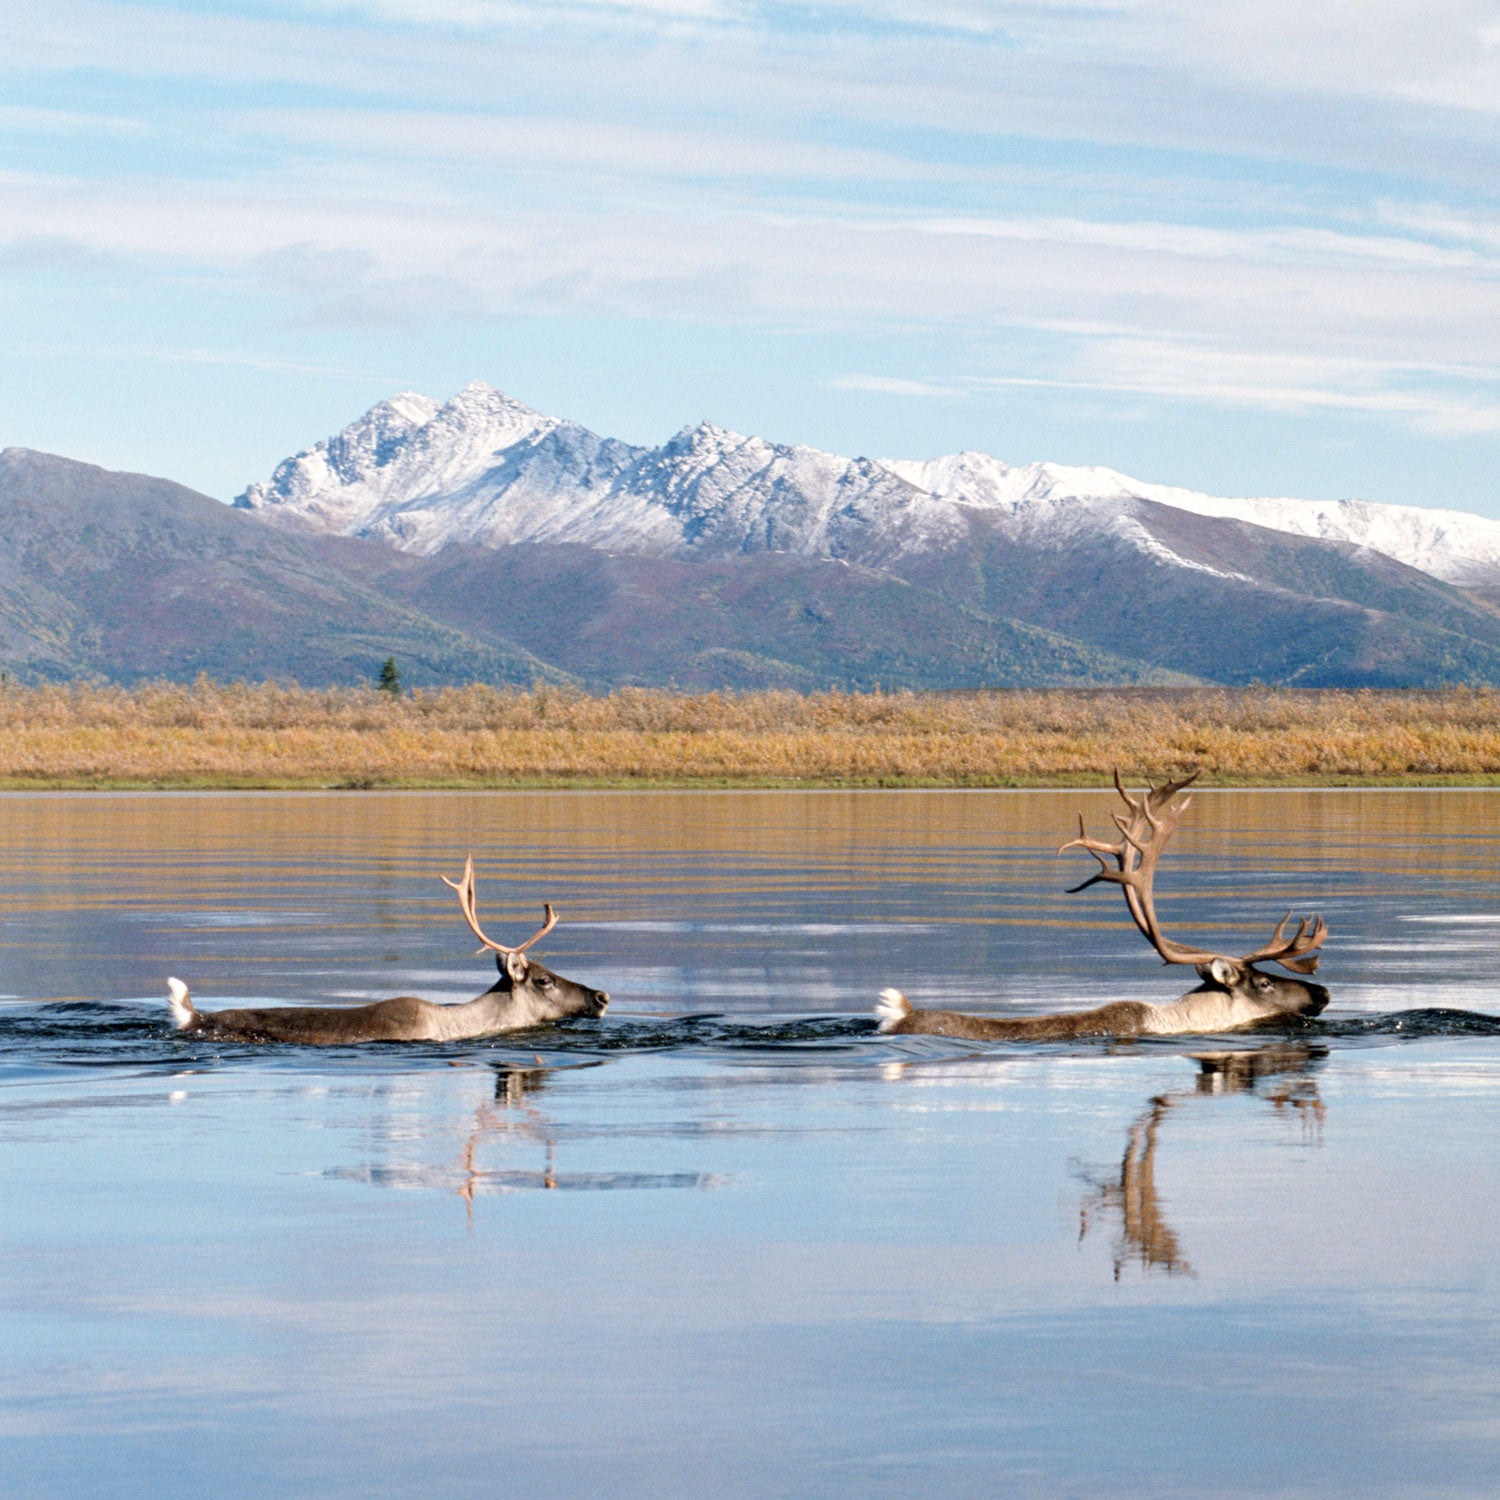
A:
(1442, 223)
(534, 143)
(19, 118)
(889, 385)
(1245, 204)
(1020, 19)
(489, 14)
(226, 358)
(1442, 52)
(1446, 400)
(1373, 296)
(1191, 240)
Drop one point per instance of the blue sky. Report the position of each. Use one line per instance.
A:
(1248, 246)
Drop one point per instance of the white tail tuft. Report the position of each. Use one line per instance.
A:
(892, 1008)
(183, 1014)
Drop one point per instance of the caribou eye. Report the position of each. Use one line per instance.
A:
(544, 981)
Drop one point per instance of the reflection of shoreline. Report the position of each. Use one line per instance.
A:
(1280, 1073)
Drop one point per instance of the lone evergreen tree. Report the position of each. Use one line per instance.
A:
(390, 677)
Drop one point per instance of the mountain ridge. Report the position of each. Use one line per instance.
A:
(478, 538)
(484, 468)
(109, 576)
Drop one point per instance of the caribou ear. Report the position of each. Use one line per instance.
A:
(517, 967)
(1222, 972)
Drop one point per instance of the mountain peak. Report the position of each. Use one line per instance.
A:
(410, 406)
(479, 395)
(484, 468)
(707, 434)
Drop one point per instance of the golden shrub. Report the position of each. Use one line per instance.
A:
(252, 734)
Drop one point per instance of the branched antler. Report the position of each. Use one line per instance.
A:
(1152, 819)
(465, 889)
(1299, 952)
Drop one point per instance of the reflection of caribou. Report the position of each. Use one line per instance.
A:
(1280, 1074)
(525, 994)
(1234, 993)
(513, 1117)
(514, 1087)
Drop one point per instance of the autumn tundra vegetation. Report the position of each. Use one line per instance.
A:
(163, 734)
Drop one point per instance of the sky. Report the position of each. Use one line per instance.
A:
(1243, 246)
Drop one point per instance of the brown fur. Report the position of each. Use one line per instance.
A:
(526, 994)
(1232, 997)
(1122, 1018)
(395, 1020)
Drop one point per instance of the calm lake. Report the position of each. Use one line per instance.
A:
(727, 1240)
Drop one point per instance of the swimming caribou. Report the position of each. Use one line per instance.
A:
(1233, 995)
(526, 994)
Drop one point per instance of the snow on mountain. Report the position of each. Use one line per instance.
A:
(419, 475)
(485, 469)
(729, 494)
(1448, 544)
(1451, 545)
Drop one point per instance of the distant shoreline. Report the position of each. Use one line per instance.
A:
(247, 736)
(22, 786)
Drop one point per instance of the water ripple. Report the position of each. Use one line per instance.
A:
(91, 1035)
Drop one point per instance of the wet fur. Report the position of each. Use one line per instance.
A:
(1250, 998)
(529, 996)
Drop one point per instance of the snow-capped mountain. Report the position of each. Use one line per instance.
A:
(714, 561)
(480, 468)
(1448, 544)
(485, 469)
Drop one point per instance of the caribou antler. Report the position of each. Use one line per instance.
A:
(465, 889)
(1152, 820)
(1298, 952)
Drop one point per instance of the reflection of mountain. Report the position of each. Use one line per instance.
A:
(1280, 1073)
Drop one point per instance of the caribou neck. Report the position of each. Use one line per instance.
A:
(500, 1008)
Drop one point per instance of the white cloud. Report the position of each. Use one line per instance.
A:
(1438, 221)
(1442, 400)
(1028, 22)
(1256, 298)
(1034, 20)
(1438, 52)
(489, 14)
(18, 118)
(530, 144)
(660, 162)
(1371, 296)
(1196, 241)
(1126, 74)
(887, 385)
(229, 358)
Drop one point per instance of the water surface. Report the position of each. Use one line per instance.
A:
(727, 1239)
